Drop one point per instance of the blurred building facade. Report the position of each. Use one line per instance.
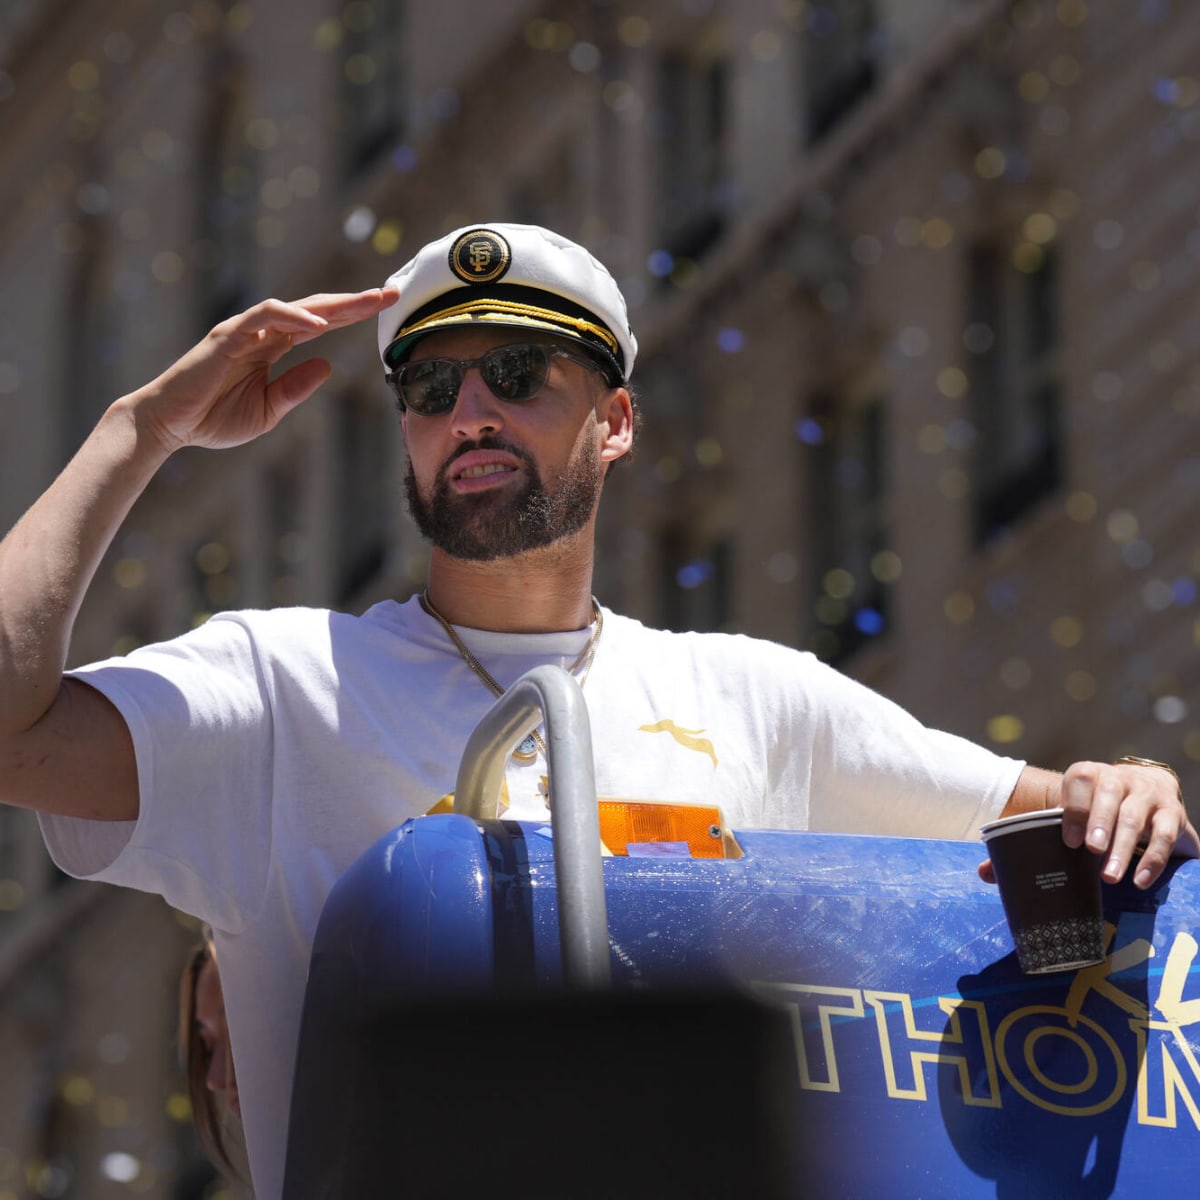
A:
(914, 282)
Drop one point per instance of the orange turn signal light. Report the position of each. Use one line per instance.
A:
(644, 824)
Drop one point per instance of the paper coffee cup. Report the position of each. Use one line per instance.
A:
(1050, 892)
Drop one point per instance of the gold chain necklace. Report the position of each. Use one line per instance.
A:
(529, 748)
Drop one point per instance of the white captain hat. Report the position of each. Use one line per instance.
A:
(520, 276)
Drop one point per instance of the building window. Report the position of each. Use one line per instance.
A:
(1012, 333)
(372, 78)
(692, 181)
(290, 553)
(94, 318)
(839, 61)
(367, 484)
(228, 176)
(852, 564)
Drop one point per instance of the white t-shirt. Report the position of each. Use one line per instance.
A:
(273, 748)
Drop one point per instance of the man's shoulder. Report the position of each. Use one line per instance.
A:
(268, 626)
(705, 645)
(267, 623)
(274, 634)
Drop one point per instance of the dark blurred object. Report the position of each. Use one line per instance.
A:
(658, 1095)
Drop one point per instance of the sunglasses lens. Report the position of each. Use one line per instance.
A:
(429, 387)
(515, 372)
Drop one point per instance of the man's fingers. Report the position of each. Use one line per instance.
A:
(1124, 842)
(302, 320)
(1115, 808)
(295, 386)
(1091, 796)
(1076, 799)
(324, 302)
(346, 308)
(274, 316)
(986, 872)
(1164, 835)
(1112, 809)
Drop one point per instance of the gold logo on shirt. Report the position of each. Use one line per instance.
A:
(689, 739)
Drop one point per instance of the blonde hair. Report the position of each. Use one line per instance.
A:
(207, 1115)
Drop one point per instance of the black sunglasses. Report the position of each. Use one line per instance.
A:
(514, 373)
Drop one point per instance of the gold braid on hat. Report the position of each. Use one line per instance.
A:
(500, 309)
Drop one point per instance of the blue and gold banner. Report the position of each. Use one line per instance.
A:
(923, 1062)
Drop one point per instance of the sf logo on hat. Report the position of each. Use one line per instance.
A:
(480, 256)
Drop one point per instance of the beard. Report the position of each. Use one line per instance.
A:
(505, 522)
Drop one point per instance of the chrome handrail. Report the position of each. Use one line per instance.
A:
(551, 695)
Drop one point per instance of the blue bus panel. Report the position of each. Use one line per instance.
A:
(908, 1055)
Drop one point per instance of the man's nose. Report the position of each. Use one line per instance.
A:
(476, 410)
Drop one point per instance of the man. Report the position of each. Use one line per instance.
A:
(240, 769)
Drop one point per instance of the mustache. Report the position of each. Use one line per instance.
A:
(484, 443)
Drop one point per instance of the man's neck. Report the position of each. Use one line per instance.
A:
(538, 592)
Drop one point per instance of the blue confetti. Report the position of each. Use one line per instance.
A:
(660, 263)
(869, 621)
(810, 432)
(693, 574)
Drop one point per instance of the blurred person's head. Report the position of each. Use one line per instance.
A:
(207, 1055)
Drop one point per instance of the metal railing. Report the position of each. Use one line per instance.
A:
(548, 694)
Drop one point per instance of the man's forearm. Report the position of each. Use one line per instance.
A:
(1036, 789)
(50, 556)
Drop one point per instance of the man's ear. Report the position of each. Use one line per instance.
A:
(615, 413)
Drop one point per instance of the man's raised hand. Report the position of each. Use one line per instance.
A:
(221, 394)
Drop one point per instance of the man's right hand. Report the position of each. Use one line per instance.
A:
(220, 394)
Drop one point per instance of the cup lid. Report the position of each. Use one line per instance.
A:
(1030, 820)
